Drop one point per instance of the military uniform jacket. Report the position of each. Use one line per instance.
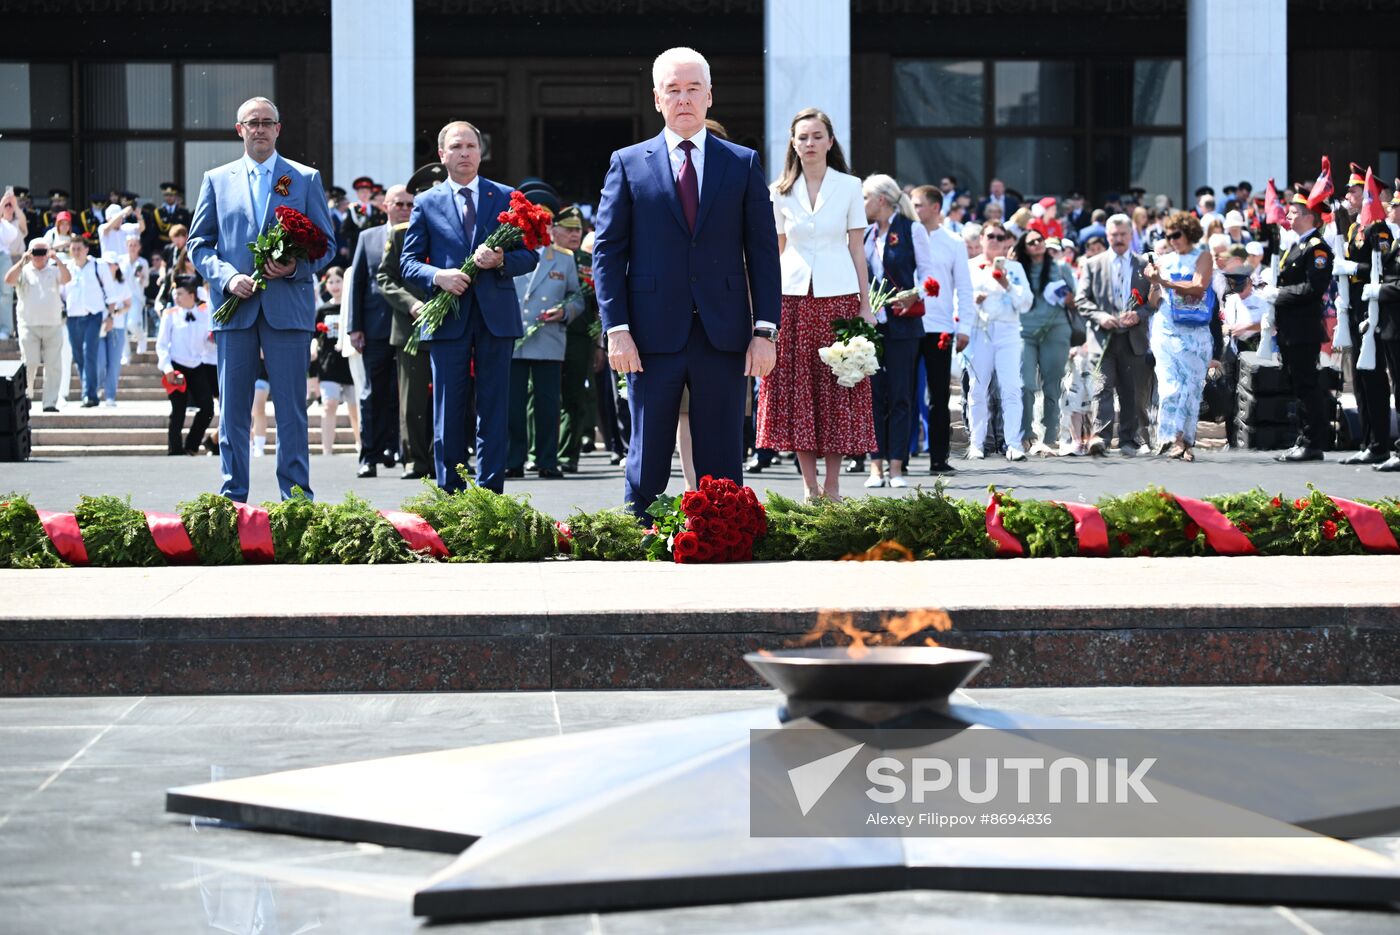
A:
(397, 291)
(159, 220)
(1389, 297)
(579, 328)
(1304, 276)
(552, 283)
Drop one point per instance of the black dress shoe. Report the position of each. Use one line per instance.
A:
(367, 470)
(210, 445)
(89, 404)
(411, 474)
(1298, 453)
(615, 459)
(1389, 464)
(1365, 456)
(531, 466)
(854, 466)
(568, 467)
(756, 465)
(388, 459)
(941, 467)
(551, 473)
(515, 472)
(51, 409)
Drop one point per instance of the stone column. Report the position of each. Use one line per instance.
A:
(807, 63)
(1236, 93)
(372, 90)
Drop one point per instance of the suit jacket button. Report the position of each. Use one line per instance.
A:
(694, 278)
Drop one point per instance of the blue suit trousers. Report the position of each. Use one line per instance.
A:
(287, 354)
(452, 394)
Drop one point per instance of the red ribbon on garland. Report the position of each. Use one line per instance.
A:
(1008, 546)
(67, 538)
(254, 534)
(1221, 534)
(1089, 528)
(1370, 526)
(168, 530)
(417, 532)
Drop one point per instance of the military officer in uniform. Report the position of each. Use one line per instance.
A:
(90, 220)
(550, 298)
(1384, 380)
(1372, 389)
(578, 403)
(361, 215)
(58, 203)
(1304, 275)
(415, 371)
(160, 219)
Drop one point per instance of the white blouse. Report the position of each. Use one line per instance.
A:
(818, 253)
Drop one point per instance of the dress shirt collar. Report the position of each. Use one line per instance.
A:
(250, 166)
(474, 186)
(673, 139)
(1302, 237)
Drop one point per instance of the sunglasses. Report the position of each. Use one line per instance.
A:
(39, 253)
(1035, 243)
(1173, 235)
(997, 236)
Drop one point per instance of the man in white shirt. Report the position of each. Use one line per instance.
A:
(39, 282)
(91, 298)
(946, 332)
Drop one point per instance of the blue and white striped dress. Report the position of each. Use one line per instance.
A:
(1182, 355)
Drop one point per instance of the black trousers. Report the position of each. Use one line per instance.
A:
(892, 392)
(379, 406)
(1300, 364)
(938, 365)
(1388, 351)
(415, 410)
(201, 385)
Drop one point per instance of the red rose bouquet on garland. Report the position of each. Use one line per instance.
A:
(720, 522)
(523, 223)
(293, 237)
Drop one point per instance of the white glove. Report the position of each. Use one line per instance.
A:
(1341, 267)
(1370, 291)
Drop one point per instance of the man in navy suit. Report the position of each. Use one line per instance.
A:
(685, 263)
(449, 222)
(272, 326)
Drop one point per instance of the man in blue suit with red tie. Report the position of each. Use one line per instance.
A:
(449, 222)
(685, 263)
(272, 326)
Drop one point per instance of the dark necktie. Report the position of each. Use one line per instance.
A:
(469, 217)
(687, 186)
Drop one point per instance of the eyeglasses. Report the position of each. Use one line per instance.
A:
(258, 124)
(1173, 235)
(997, 236)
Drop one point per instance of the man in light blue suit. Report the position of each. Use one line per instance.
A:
(449, 222)
(689, 283)
(237, 202)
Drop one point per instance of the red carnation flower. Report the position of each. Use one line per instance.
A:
(1276, 503)
(1329, 530)
(1192, 531)
(1300, 504)
(931, 287)
(998, 274)
(322, 327)
(1137, 297)
(944, 339)
(563, 537)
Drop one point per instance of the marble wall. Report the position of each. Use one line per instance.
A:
(1236, 92)
(807, 63)
(372, 90)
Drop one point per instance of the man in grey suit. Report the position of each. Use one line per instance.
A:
(369, 318)
(1105, 300)
(549, 299)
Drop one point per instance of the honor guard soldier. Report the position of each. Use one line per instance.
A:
(1372, 389)
(361, 214)
(415, 370)
(1304, 275)
(1383, 336)
(159, 219)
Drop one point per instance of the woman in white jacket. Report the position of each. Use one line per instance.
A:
(1002, 295)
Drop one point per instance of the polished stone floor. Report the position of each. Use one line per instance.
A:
(86, 847)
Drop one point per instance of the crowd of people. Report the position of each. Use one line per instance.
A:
(1074, 330)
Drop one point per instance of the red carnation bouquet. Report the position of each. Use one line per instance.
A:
(523, 223)
(293, 237)
(717, 523)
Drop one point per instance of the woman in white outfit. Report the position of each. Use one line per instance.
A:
(1002, 295)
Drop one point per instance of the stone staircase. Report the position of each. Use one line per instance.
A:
(137, 424)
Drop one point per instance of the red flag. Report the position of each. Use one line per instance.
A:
(1274, 212)
(1371, 208)
(1322, 189)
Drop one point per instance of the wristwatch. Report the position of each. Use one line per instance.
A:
(769, 333)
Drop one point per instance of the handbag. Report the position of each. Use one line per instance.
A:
(1078, 327)
(914, 311)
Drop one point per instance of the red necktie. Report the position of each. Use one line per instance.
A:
(687, 187)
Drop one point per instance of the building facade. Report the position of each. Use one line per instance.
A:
(1050, 95)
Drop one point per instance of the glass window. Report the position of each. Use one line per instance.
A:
(135, 165)
(1035, 94)
(1155, 164)
(1157, 92)
(937, 93)
(34, 96)
(213, 91)
(133, 96)
(202, 156)
(39, 165)
(1036, 165)
(920, 161)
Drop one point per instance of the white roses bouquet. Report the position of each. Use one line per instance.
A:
(855, 355)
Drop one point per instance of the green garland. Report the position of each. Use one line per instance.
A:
(477, 525)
